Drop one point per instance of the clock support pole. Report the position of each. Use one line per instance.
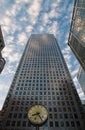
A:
(37, 127)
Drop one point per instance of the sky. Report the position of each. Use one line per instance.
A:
(21, 18)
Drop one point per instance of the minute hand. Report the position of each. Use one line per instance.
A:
(40, 117)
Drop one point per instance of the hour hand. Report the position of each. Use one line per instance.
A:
(36, 114)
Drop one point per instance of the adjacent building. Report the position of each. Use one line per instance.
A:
(77, 32)
(42, 77)
(81, 78)
(2, 45)
(83, 104)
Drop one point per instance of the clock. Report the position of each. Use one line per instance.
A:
(37, 114)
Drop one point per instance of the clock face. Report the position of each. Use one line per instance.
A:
(37, 114)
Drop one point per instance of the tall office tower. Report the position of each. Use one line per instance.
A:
(42, 77)
(2, 60)
(77, 32)
(81, 78)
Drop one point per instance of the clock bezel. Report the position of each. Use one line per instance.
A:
(35, 123)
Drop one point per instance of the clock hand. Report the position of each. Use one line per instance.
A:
(39, 116)
(36, 114)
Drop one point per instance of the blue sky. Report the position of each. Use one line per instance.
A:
(21, 18)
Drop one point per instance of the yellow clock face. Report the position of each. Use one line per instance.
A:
(37, 114)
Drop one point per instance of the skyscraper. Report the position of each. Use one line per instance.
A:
(2, 60)
(42, 77)
(81, 78)
(77, 32)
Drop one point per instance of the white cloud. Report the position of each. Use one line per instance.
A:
(8, 50)
(22, 1)
(34, 10)
(74, 73)
(80, 92)
(22, 38)
(2, 99)
(8, 69)
(45, 18)
(9, 26)
(67, 57)
(9, 40)
(10, 54)
(66, 39)
(53, 29)
(5, 21)
(3, 92)
(41, 28)
(23, 19)
(69, 66)
(13, 10)
(53, 13)
(66, 50)
(29, 28)
(76, 81)
(14, 57)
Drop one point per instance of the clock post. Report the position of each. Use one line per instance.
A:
(37, 127)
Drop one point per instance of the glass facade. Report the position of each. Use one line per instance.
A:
(81, 78)
(42, 77)
(2, 63)
(2, 60)
(77, 31)
(2, 44)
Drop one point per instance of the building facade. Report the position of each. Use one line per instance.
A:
(81, 78)
(2, 45)
(77, 32)
(83, 104)
(42, 77)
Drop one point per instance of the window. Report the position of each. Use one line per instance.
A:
(72, 124)
(78, 123)
(15, 115)
(24, 123)
(67, 124)
(13, 123)
(8, 123)
(25, 115)
(61, 116)
(10, 115)
(56, 124)
(20, 115)
(50, 115)
(64, 109)
(66, 116)
(62, 123)
(55, 109)
(50, 109)
(71, 116)
(55, 115)
(60, 110)
(18, 123)
(51, 124)
(40, 93)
